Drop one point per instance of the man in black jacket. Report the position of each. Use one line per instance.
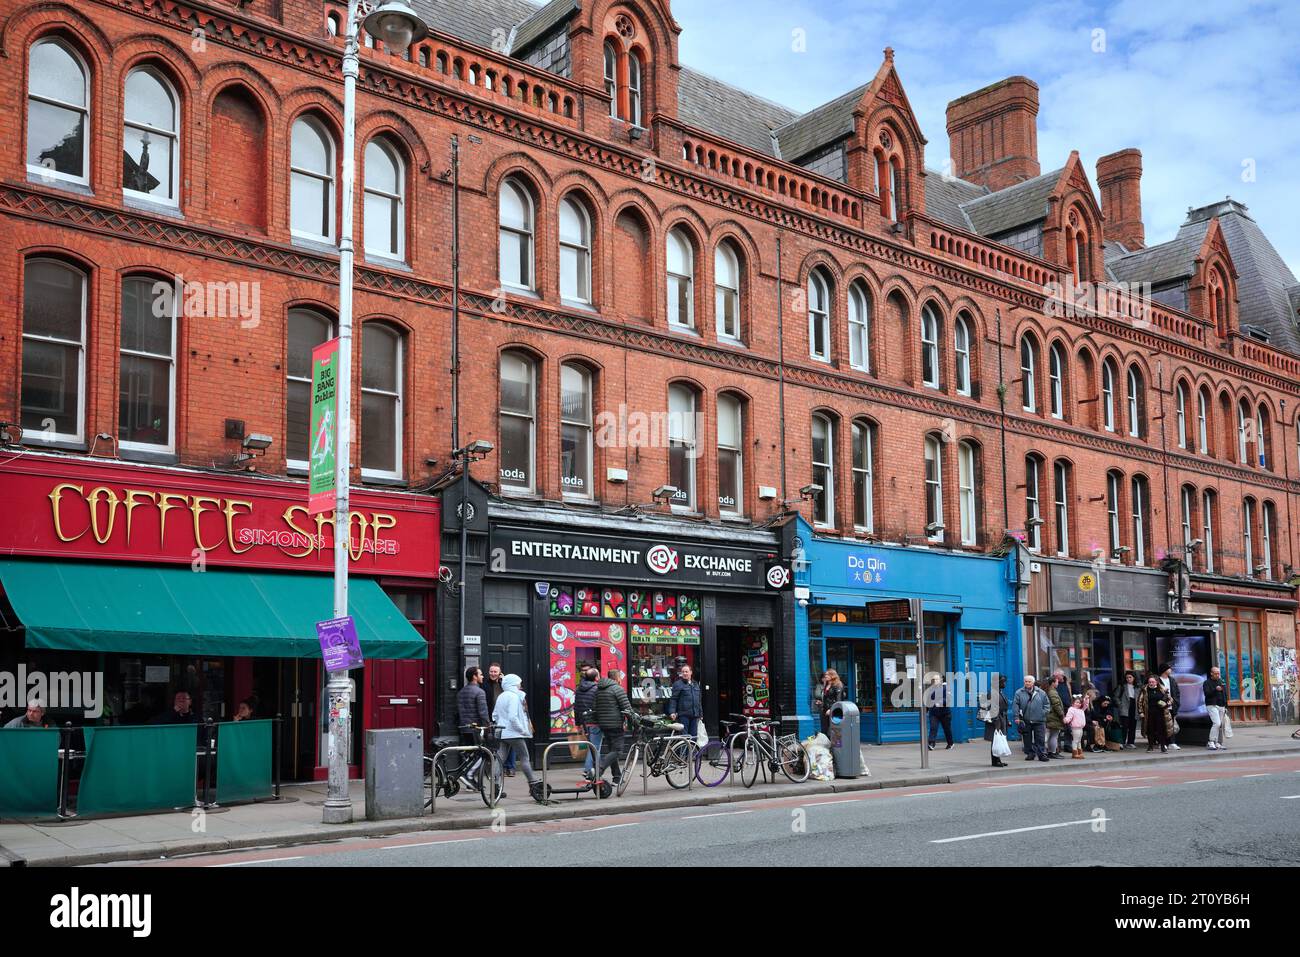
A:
(685, 705)
(584, 699)
(1216, 702)
(608, 707)
(471, 705)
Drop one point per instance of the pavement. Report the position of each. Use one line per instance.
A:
(295, 820)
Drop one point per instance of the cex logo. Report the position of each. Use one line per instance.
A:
(662, 559)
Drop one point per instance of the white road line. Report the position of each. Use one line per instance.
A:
(1290, 797)
(925, 794)
(1096, 787)
(840, 801)
(1125, 777)
(265, 860)
(1264, 775)
(1019, 830)
(696, 817)
(1201, 781)
(461, 840)
(610, 827)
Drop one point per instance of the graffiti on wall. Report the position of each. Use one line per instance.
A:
(1286, 685)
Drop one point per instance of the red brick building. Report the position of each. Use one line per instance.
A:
(936, 360)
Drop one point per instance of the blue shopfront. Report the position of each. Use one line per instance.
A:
(972, 629)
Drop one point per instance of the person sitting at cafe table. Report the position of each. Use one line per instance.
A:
(247, 709)
(180, 713)
(33, 717)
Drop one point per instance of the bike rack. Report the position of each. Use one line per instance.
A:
(645, 765)
(488, 755)
(595, 757)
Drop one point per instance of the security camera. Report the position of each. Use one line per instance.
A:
(1035, 522)
(934, 528)
(257, 441)
(664, 492)
(810, 490)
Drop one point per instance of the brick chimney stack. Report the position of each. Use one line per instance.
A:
(993, 133)
(1119, 177)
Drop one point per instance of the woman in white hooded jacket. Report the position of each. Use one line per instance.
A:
(510, 715)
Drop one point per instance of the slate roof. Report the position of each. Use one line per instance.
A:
(542, 23)
(819, 127)
(710, 104)
(475, 20)
(945, 196)
(1163, 262)
(1014, 206)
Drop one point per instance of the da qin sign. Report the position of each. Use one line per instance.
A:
(57, 508)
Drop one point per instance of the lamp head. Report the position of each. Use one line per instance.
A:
(397, 25)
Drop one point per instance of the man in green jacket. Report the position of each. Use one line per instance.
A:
(1058, 692)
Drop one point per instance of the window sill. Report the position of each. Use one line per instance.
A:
(387, 262)
(580, 306)
(735, 520)
(730, 341)
(53, 182)
(60, 445)
(384, 481)
(297, 471)
(170, 210)
(147, 456)
(521, 292)
(317, 245)
(684, 330)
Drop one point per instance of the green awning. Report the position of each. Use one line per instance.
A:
(150, 609)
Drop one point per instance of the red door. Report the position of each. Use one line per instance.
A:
(401, 690)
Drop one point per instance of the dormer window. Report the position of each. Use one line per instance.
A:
(624, 68)
(611, 77)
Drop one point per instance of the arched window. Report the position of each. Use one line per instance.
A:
(1136, 401)
(385, 223)
(307, 330)
(819, 316)
(515, 212)
(823, 463)
(1243, 433)
(634, 88)
(311, 188)
(1141, 522)
(516, 453)
(1056, 381)
(961, 342)
(726, 291)
(682, 439)
(1207, 530)
(147, 373)
(1029, 374)
(1268, 523)
(859, 327)
(1217, 302)
(1186, 504)
(1203, 420)
(575, 251)
(930, 347)
(967, 501)
(382, 378)
(58, 117)
(1108, 395)
(681, 280)
(1113, 480)
(1033, 507)
(864, 469)
(1263, 435)
(54, 352)
(895, 189)
(1248, 536)
(611, 77)
(1061, 504)
(731, 455)
(1180, 409)
(934, 488)
(575, 432)
(1081, 269)
(150, 136)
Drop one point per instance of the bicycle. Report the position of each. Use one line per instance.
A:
(718, 760)
(657, 743)
(759, 744)
(445, 780)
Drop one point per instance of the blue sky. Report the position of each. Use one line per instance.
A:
(1210, 92)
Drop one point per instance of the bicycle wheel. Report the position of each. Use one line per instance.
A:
(794, 761)
(750, 759)
(712, 763)
(625, 778)
(679, 763)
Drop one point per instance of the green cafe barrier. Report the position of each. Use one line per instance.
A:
(132, 769)
(29, 772)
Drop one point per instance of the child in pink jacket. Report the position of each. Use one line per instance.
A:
(1076, 718)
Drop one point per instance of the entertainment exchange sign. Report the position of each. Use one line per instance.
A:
(552, 555)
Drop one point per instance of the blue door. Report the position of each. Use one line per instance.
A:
(984, 665)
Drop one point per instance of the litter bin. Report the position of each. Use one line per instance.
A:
(846, 739)
(394, 773)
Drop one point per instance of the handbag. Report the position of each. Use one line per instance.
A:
(1001, 749)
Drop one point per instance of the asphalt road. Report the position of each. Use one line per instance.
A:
(1217, 814)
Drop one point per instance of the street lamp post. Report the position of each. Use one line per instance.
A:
(398, 27)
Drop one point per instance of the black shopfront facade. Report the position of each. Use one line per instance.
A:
(562, 590)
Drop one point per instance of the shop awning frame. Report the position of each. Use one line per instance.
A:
(1124, 619)
(172, 610)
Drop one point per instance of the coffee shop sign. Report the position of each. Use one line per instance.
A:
(866, 568)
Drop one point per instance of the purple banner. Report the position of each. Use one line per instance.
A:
(339, 645)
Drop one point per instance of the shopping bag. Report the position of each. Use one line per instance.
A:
(1000, 747)
(1227, 724)
(701, 735)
